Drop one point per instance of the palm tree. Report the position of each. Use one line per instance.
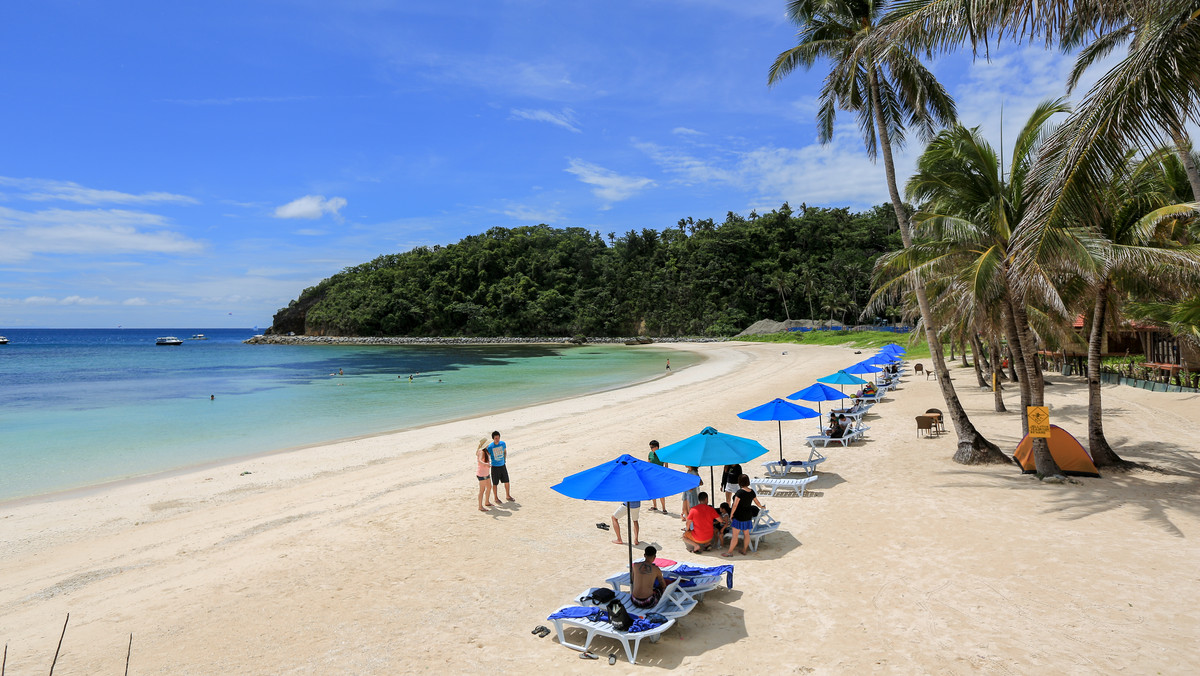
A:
(968, 210)
(1127, 238)
(886, 87)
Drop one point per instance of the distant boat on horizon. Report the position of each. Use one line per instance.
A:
(199, 336)
(168, 340)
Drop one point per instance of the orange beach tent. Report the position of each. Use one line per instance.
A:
(1070, 455)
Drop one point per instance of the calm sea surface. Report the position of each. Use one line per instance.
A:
(83, 406)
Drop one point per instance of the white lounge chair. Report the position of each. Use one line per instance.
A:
(780, 483)
(631, 642)
(781, 470)
(825, 440)
(764, 525)
(700, 584)
(674, 602)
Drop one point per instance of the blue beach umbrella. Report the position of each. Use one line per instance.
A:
(626, 479)
(778, 410)
(862, 367)
(841, 378)
(710, 448)
(893, 348)
(880, 360)
(818, 392)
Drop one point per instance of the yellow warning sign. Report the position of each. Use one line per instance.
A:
(1039, 421)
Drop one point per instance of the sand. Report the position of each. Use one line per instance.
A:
(369, 556)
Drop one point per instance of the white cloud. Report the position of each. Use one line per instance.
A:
(310, 232)
(80, 300)
(684, 131)
(41, 300)
(565, 119)
(531, 214)
(609, 185)
(134, 301)
(92, 232)
(42, 190)
(311, 207)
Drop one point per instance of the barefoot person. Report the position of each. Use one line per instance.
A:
(744, 502)
(698, 533)
(483, 472)
(689, 496)
(498, 451)
(653, 457)
(633, 508)
(647, 585)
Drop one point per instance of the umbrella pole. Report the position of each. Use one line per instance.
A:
(629, 535)
(780, 440)
(712, 492)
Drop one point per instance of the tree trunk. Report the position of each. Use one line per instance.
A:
(1102, 454)
(1184, 147)
(973, 448)
(951, 349)
(964, 356)
(998, 389)
(1010, 331)
(977, 357)
(1044, 462)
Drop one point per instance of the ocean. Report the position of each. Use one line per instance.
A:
(86, 406)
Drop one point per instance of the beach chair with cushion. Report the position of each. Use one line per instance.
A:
(781, 483)
(629, 641)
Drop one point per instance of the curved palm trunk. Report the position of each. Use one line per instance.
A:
(1183, 146)
(1044, 462)
(973, 448)
(1015, 360)
(998, 389)
(1102, 453)
(977, 356)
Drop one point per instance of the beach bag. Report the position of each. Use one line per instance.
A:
(618, 616)
(598, 596)
(753, 511)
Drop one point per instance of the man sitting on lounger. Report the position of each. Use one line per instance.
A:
(698, 533)
(648, 582)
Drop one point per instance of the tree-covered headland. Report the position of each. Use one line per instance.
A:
(696, 278)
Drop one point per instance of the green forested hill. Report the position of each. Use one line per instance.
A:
(698, 278)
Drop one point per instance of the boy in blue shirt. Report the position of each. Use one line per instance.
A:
(498, 450)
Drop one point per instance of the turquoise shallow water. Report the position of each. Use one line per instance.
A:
(81, 407)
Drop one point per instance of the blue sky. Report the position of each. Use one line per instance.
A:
(168, 164)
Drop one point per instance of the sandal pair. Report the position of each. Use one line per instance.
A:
(540, 631)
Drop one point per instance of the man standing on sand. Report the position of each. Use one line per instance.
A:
(653, 457)
(498, 450)
(632, 508)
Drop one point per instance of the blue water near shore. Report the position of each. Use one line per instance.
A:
(85, 406)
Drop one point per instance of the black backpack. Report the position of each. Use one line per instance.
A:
(598, 596)
(618, 616)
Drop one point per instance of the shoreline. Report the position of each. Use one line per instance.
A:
(91, 489)
(275, 339)
(348, 557)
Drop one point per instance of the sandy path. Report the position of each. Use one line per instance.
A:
(368, 556)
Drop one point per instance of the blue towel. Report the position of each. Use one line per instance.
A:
(591, 613)
(645, 623)
(685, 570)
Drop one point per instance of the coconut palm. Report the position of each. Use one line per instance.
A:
(968, 211)
(887, 88)
(1130, 248)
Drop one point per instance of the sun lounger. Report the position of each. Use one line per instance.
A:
(695, 586)
(779, 469)
(674, 602)
(824, 440)
(764, 525)
(594, 628)
(778, 483)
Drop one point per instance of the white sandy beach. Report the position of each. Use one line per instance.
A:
(369, 556)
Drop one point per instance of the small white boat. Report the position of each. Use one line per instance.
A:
(199, 336)
(3, 340)
(168, 340)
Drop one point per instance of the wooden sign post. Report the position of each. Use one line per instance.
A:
(1039, 421)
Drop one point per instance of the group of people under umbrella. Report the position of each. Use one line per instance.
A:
(628, 479)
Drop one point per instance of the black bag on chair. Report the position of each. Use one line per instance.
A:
(618, 616)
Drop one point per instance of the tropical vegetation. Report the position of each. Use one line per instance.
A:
(699, 278)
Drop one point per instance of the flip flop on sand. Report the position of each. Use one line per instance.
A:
(545, 632)
(587, 656)
(602, 526)
(538, 629)
(511, 499)
(612, 659)
(482, 509)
